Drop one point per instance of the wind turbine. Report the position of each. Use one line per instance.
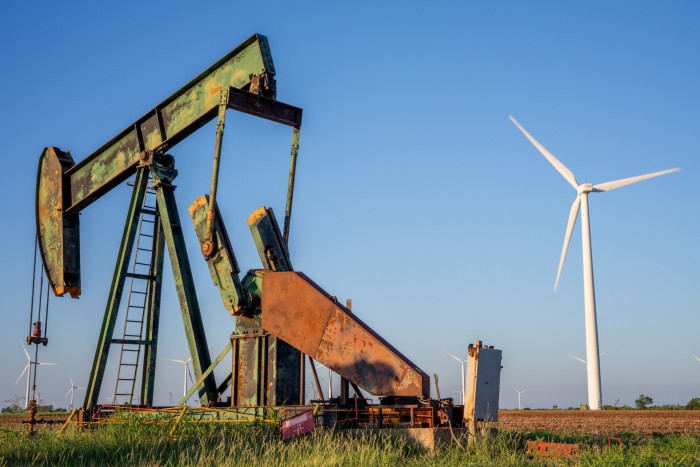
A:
(28, 369)
(330, 382)
(464, 383)
(186, 364)
(695, 357)
(581, 201)
(582, 360)
(519, 392)
(73, 387)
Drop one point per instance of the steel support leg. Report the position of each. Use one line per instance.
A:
(92, 393)
(186, 294)
(153, 314)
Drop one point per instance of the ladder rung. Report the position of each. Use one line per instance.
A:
(128, 364)
(135, 275)
(148, 221)
(144, 249)
(147, 235)
(136, 306)
(142, 264)
(134, 320)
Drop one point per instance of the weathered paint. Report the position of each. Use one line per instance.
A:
(58, 233)
(184, 286)
(269, 242)
(168, 123)
(222, 263)
(109, 320)
(298, 311)
(153, 316)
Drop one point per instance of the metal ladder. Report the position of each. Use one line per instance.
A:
(140, 277)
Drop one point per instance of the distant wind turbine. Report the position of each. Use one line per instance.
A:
(464, 383)
(581, 201)
(28, 369)
(186, 364)
(330, 382)
(519, 392)
(582, 360)
(71, 391)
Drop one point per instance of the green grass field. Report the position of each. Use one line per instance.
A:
(138, 444)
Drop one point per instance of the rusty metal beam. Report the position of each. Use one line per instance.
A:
(299, 312)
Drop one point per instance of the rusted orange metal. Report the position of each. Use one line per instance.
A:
(299, 312)
(545, 449)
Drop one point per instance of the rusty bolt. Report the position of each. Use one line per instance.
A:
(207, 248)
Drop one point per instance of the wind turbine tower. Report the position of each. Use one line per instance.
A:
(186, 365)
(581, 203)
(519, 392)
(29, 368)
(71, 391)
(464, 382)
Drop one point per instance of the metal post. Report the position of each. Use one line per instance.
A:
(184, 284)
(290, 183)
(115, 292)
(207, 245)
(153, 315)
(318, 384)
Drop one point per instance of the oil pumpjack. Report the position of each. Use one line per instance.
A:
(280, 316)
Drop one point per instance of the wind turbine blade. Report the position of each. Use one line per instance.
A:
(71, 381)
(459, 360)
(26, 367)
(561, 168)
(68, 392)
(607, 186)
(567, 237)
(45, 363)
(174, 360)
(577, 358)
(25, 351)
(694, 356)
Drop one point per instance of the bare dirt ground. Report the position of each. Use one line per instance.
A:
(608, 422)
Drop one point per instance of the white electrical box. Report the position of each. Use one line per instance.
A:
(483, 382)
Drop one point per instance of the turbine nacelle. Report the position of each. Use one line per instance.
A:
(585, 188)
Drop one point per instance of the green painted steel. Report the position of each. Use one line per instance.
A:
(184, 285)
(220, 124)
(168, 123)
(269, 242)
(206, 373)
(58, 232)
(92, 393)
(290, 184)
(222, 263)
(153, 314)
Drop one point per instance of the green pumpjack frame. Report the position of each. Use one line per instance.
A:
(243, 80)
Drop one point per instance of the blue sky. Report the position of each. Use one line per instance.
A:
(416, 197)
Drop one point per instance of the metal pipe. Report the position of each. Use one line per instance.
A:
(31, 304)
(220, 123)
(290, 184)
(318, 384)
